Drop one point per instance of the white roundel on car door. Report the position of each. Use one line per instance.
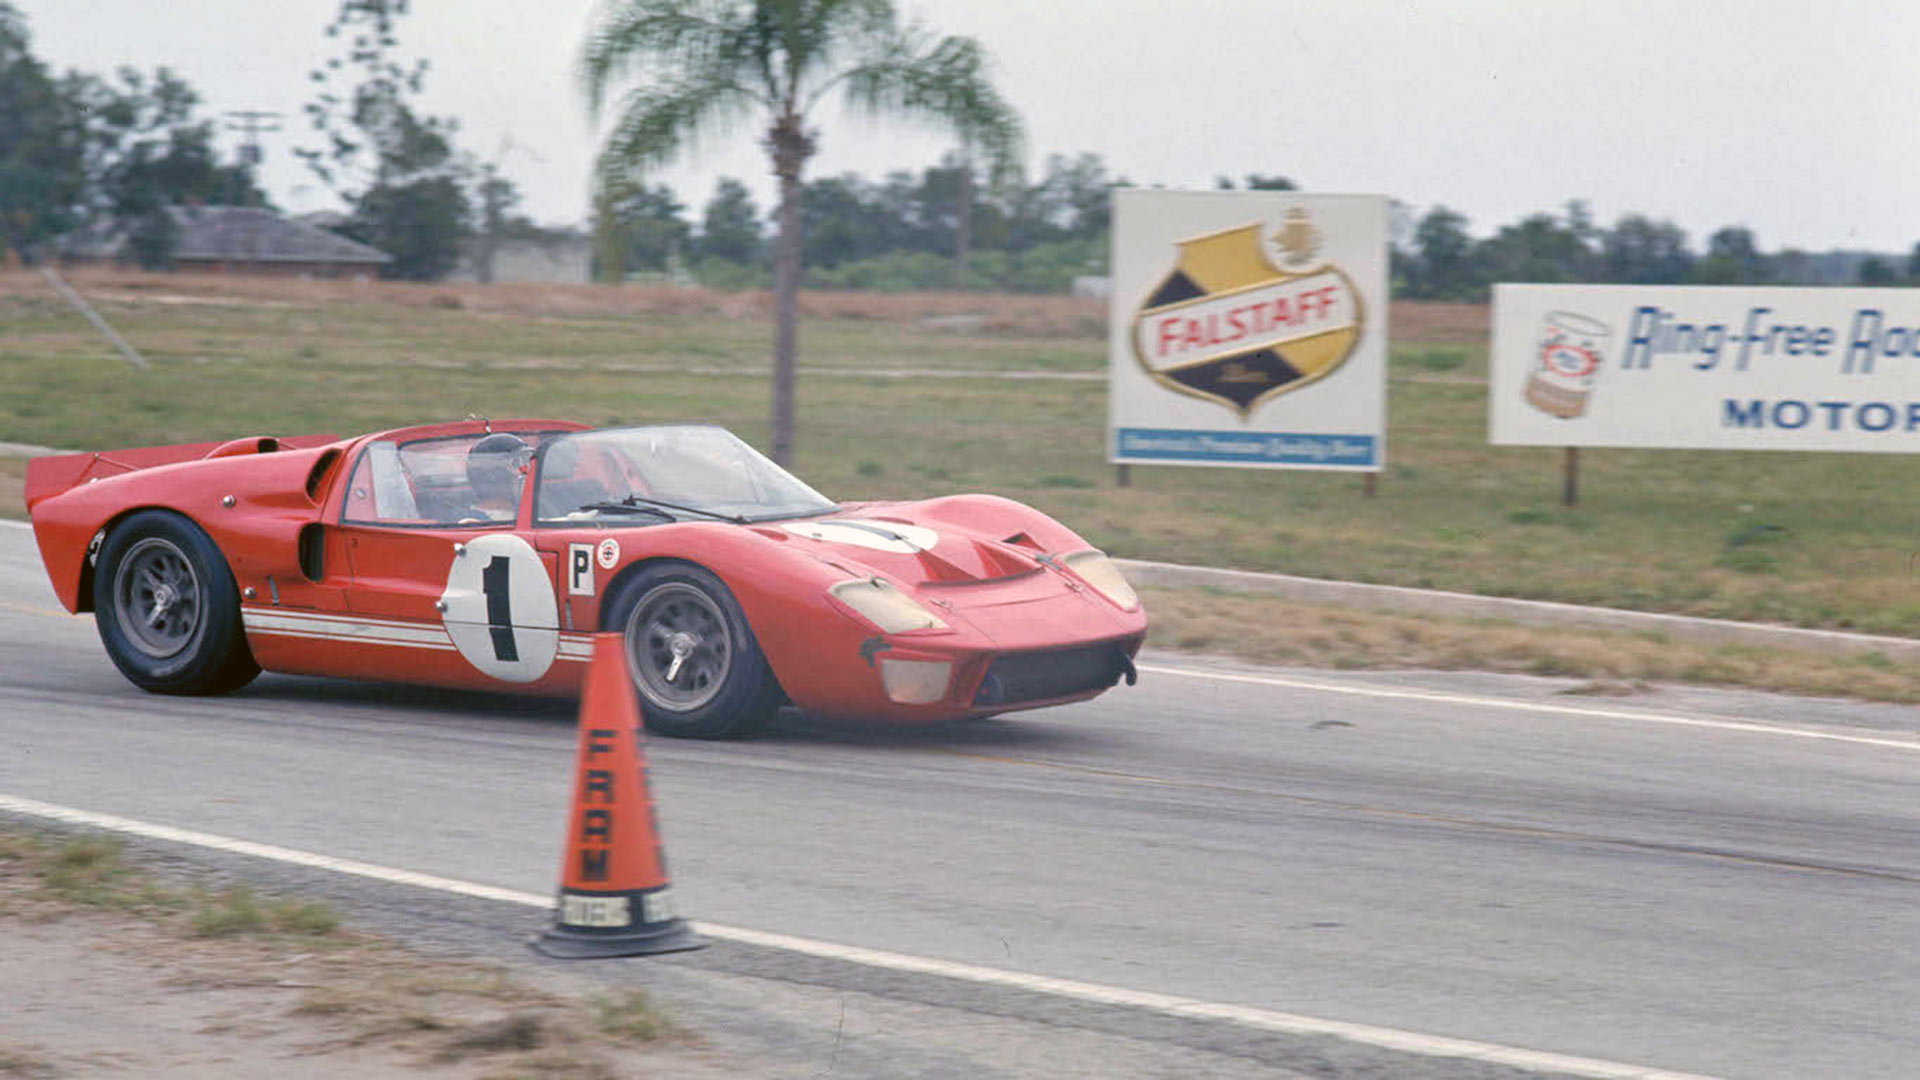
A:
(500, 609)
(894, 536)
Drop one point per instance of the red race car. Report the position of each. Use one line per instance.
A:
(483, 554)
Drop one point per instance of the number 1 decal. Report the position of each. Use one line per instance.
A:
(500, 608)
(493, 581)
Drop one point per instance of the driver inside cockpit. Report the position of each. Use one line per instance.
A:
(496, 469)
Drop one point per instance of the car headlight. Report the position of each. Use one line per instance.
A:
(883, 605)
(915, 682)
(1097, 570)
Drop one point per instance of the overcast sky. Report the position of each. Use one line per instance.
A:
(1795, 119)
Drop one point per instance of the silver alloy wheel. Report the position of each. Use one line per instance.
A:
(678, 647)
(157, 598)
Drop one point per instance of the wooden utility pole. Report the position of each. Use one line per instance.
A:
(86, 311)
(251, 124)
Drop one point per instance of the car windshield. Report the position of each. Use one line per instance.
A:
(647, 474)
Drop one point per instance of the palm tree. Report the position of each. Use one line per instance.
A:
(699, 66)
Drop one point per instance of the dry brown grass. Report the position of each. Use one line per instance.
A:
(26, 1064)
(1432, 323)
(1037, 316)
(445, 1012)
(1273, 631)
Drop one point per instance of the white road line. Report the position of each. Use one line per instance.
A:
(1514, 705)
(152, 831)
(16, 524)
(1095, 993)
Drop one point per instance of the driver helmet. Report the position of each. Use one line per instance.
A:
(493, 467)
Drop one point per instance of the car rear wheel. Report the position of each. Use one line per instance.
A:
(693, 658)
(167, 610)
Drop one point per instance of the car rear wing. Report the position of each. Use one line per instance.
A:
(50, 475)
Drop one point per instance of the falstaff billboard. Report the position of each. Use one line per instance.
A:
(1248, 328)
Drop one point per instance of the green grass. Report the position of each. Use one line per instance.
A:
(91, 870)
(629, 1015)
(1810, 539)
(237, 910)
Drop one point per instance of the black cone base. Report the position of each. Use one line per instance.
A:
(567, 943)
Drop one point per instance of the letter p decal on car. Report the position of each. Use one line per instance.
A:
(579, 569)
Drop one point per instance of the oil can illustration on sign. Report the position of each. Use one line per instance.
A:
(1567, 363)
(1231, 325)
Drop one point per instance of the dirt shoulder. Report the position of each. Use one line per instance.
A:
(151, 973)
(1273, 631)
(109, 974)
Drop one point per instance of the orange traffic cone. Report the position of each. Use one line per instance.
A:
(613, 874)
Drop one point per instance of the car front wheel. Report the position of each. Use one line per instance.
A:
(167, 610)
(693, 658)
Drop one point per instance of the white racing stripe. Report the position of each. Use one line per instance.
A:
(400, 643)
(345, 628)
(1513, 705)
(1094, 993)
(367, 630)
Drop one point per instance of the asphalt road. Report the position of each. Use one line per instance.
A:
(1716, 883)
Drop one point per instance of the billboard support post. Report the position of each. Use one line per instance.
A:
(1123, 475)
(1570, 482)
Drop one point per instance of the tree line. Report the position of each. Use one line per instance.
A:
(1435, 258)
(901, 232)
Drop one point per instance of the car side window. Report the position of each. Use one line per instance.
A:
(379, 492)
(473, 479)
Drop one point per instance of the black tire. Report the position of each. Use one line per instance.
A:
(167, 610)
(693, 659)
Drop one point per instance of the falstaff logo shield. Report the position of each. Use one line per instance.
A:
(1228, 325)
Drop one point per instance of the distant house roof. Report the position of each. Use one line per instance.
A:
(324, 219)
(240, 234)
